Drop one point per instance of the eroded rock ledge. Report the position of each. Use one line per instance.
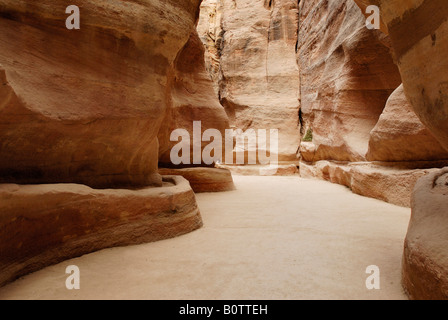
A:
(204, 179)
(41, 225)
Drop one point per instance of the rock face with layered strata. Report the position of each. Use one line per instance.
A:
(258, 78)
(192, 100)
(419, 34)
(47, 224)
(91, 108)
(211, 34)
(347, 75)
(87, 106)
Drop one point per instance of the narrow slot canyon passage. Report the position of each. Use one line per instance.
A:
(272, 238)
(224, 149)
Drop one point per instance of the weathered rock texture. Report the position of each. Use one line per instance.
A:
(193, 99)
(419, 34)
(204, 179)
(46, 224)
(399, 134)
(391, 184)
(254, 42)
(347, 75)
(365, 134)
(425, 261)
(211, 33)
(94, 106)
(87, 105)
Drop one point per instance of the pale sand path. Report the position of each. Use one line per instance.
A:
(273, 238)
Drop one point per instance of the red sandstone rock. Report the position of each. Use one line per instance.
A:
(400, 136)
(90, 102)
(204, 179)
(347, 75)
(421, 56)
(392, 184)
(42, 225)
(193, 99)
(425, 260)
(259, 80)
(88, 106)
(419, 35)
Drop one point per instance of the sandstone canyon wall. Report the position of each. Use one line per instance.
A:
(347, 75)
(95, 107)
(251, 56)
(365, 135)
(341, 93)
(419, 34)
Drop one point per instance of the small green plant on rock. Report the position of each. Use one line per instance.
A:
(309, 136)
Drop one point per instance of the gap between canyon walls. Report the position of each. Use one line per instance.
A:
(250, 54)
(314, 71)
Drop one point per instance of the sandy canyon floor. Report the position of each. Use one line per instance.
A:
(273, 238)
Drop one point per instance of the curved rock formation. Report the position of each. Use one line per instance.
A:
(254, 42)
(42, 225)
(204, 179)
(90, 101)
(347, 75)
(419, 34)
(399, 134)
(425, 260)
(88, 107)
(193, 99)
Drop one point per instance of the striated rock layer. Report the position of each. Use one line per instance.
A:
(94, 107)
(88, 106)
(192, 99)
(42, 225)
(419, 34)
(393, 184)
(251, 45)
(204, 179)
(347, 75)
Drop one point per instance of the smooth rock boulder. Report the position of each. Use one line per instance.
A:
(425, 260)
